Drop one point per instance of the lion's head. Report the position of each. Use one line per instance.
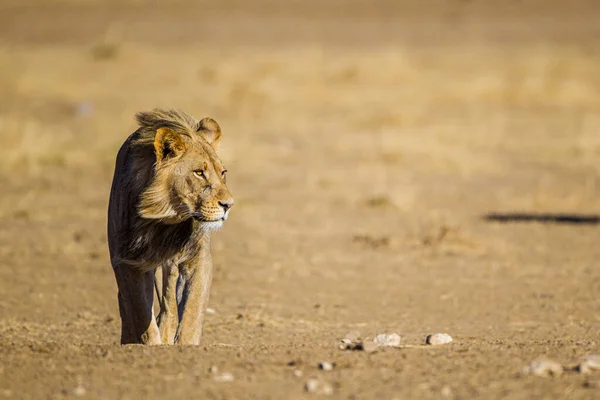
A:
(189, 179)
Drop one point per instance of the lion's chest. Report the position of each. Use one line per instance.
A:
(166, 243)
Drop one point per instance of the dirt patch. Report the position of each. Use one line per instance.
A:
(396, 169)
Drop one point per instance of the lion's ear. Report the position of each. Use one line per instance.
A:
(210, 131)
(167, 143)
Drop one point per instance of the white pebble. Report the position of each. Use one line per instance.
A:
(446, 391)
(327, 389)
(438, 338)
(85, 108)
(543, 368)
(210, 311)
(589, 364)
(224, 377)
(368, 346)
(388, 340)
(325, 366)
(79, 391)
(312, 385)
(298, 373)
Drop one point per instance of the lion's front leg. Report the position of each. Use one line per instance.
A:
(136, 298)
(198, 279)
(168, 317)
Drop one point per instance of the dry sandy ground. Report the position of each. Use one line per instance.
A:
(366, 142)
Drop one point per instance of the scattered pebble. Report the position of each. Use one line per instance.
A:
(298, 373)
(369, 347)
(79, 391)
(224, 377)
(313, 385)
(85, 108)
(589, 364)
(326, 366)
(213, 369)
(446, 391)
(438, 338)
(387, 340)
(544, 368)
(352, 341)
(210, 310)
(347, 344)
(327, 389)
(86, 315)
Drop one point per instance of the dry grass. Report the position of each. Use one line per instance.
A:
(456, 108)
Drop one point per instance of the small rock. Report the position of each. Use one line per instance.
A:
(543, 368)
(589, 364)
(446, 391)
(312, 385)
(388, 340)
(85, 315)
(298, 373)
(210, 310)
(85, 108)
(438, 338)
(369, 347)
(213, 369)
(348, 344)
(224, 377)
(79, 391)
(326, 366)
(352, 341)
(327, 389)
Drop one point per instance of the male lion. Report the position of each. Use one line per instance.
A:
(168, 195)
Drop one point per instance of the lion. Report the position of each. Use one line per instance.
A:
(168, 196)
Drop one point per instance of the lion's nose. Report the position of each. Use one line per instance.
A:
(226, 204)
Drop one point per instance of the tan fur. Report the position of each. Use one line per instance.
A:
(168, 196)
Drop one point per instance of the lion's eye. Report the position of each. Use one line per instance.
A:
(199, 173)
(223, 174)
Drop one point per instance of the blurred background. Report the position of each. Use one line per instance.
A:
(366, 142)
